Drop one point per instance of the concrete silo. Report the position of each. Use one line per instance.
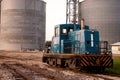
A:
(103, 15)
(22, 24)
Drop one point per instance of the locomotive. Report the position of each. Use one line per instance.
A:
(77, 46)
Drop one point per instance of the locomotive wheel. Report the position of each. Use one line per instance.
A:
(72, 64)
(54, 62)
(95, 69)
(101, 69)
(50, 61)
(47, 61)
(62, 65)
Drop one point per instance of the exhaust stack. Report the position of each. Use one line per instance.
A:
(82, 24)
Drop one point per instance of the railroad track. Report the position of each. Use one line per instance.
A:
(17, 58)
(25, 72)
(82, 72)
(22, 71)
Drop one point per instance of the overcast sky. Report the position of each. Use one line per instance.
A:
(55, 14)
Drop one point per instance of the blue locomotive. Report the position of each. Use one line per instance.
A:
(69, 38)
(76, 46)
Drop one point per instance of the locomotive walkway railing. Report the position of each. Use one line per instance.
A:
(77, 46)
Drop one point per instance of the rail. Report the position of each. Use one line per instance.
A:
(30, 68)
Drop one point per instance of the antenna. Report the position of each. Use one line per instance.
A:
(72, 11)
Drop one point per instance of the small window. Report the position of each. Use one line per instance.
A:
(71, 30)
(64, 31)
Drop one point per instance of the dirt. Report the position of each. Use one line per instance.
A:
(6, 75)
(35, 59)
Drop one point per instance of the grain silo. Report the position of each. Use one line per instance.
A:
(103, 15)
(22, 24)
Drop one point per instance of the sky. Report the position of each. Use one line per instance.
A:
(55, 14)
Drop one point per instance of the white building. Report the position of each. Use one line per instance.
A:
(116, 48)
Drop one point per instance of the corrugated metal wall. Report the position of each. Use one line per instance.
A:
(103, 15)
(22, 24)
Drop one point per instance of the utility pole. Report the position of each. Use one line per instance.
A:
(72, 11)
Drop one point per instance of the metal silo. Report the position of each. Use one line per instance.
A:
(103, 15)
(22, 24)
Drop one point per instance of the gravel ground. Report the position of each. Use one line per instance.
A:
(68, 75)
(5, 75)
(34, 59)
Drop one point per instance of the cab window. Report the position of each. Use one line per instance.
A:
(71, 30)
(64, 31)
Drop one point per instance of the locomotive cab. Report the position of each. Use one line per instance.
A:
(69, 38)
(60, 41)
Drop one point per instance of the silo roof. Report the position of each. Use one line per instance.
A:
(116, 44)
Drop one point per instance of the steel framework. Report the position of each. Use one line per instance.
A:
(72, 11)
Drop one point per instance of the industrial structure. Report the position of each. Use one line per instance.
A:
(72, 11)
(115, 48)
(22, 25)
(103, 15)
